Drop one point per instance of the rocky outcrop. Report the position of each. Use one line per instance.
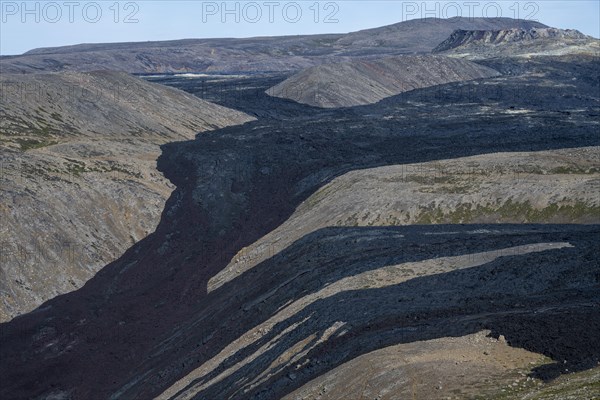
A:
(78, 174)
(463, 37)
(364, 82)
(548, 41)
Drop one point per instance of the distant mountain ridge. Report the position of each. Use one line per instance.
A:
(284, 53)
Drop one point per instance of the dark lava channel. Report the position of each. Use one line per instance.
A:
(146, 320)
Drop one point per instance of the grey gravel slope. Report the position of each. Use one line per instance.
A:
(368, 81)
(78, 174)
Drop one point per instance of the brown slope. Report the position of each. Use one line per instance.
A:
(364, 82)
(78, 174)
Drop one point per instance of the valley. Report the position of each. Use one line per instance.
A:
(435, 242)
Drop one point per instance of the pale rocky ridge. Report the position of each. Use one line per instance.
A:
(358, 294)
(558, 186)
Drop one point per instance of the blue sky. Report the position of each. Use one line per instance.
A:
(33, 24)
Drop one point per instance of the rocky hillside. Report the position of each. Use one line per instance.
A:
(368, 81)
(252, 54)
(79, 183)
(507, 42)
